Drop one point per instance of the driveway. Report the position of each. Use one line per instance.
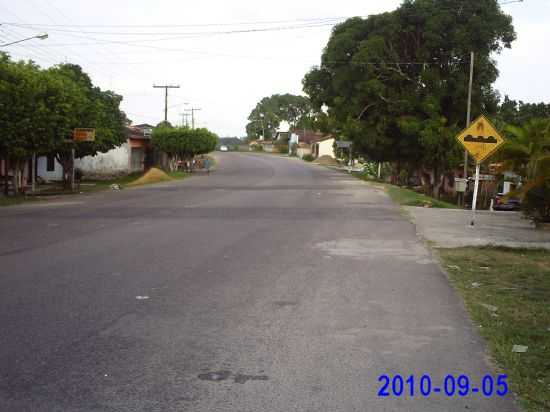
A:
(270, 285)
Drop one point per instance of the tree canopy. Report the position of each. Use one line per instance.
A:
(181, 143)
(40, 108)
(271, 111)
(396, 83)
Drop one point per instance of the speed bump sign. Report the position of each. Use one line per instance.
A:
(481, 139)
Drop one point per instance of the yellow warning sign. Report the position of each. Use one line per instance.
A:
(481, 139)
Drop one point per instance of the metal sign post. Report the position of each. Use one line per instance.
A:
(474, 200)
(481, 140)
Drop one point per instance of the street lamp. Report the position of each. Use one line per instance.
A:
(42, 36)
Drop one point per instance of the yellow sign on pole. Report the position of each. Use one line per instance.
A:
(481, 139)
(84, 135)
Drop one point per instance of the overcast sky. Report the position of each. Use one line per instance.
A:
(129, 45)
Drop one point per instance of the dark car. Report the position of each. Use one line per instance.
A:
(506, 203)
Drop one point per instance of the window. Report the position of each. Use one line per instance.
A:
(50, 166)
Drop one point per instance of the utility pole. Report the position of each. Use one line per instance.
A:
(468, 121)
(166, 87)
(193, 110)
(185, 119)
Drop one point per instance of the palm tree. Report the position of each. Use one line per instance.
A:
(527, 151)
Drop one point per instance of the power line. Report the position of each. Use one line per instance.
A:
(226, 24)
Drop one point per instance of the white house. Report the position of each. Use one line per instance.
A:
(135, 155)
(315, 143)
(48, 168)
(324, 147)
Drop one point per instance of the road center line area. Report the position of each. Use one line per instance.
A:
(269, 285)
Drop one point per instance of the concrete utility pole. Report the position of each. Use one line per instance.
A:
(469, 110)
(185, 119)
(193, 110)
(462, 197)
(166, 87)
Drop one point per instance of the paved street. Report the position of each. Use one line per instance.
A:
(270, 285)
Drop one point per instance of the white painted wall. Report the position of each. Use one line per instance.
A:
(326, 148)
(115, 161)
(42, 170)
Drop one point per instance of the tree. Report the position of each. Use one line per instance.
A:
(395, 83)
(34, 107)
(271, 111)
(527, 153)
(183, 143)
(95, 109)
(518, 112)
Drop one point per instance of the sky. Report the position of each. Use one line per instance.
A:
(225, 55)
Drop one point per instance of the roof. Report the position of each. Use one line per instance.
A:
(135, 132)
(310, 136)
(144, 126)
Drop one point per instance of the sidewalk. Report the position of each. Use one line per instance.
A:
(449, 228)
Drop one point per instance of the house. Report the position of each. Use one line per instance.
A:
(323, 147)
(307, 142)
(135, 155)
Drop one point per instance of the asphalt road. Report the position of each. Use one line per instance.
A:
(270, 285)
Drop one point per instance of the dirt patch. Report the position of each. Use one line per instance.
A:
(326, 161)
(153, 175)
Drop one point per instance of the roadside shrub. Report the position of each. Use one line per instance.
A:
(536, 203)
(308, 158)
(282, 148)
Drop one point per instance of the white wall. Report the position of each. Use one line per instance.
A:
(326, 148)
(115, 161)
(42, 169)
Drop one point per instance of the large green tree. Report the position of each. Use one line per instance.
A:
(40, 108)
(396, 83)
(271, 111)
(183, 143)
(36, 112)
(98, 109)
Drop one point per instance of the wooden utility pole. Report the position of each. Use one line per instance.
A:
(166, 87)
(193, 110)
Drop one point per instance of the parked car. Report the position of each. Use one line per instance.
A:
(506, 203)
(224, 148)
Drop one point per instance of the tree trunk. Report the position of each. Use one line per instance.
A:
(6, 182)
(66, 161)
(16, 177)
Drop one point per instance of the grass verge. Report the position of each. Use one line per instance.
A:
(507, 293)
(87, 186)
(408, 197)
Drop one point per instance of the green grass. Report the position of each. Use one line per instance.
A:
(517, 282)
(87, 186)
(407, 197)
(178, 175)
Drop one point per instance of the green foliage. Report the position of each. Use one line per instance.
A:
(270, 111)
(40, 108)
(514, 112)
(183, 142)
(308, 158)
(536, 202)
(396, 83)
(527, 149)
